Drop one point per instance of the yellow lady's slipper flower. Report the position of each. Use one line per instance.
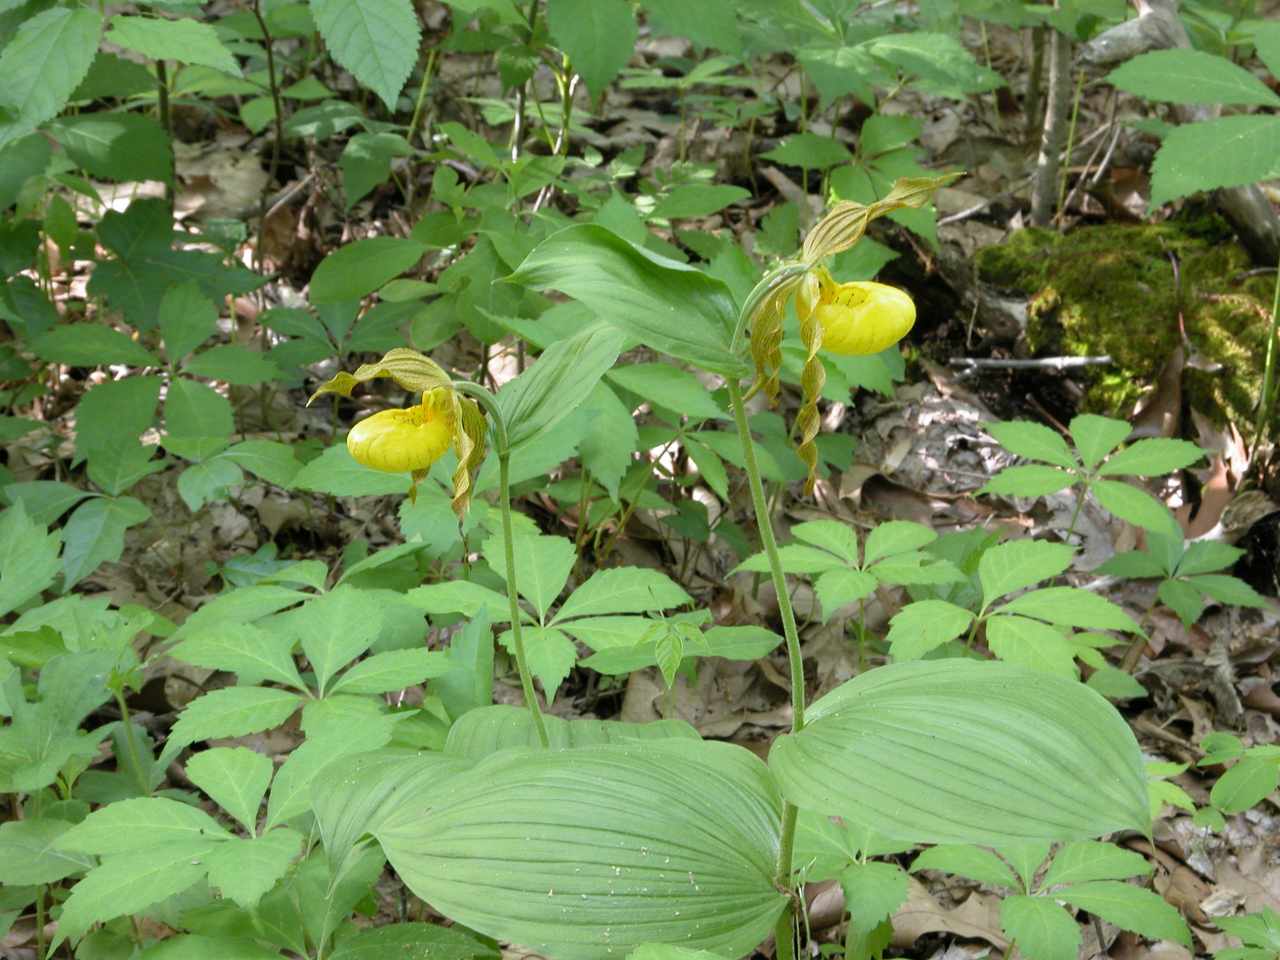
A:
(399, 441)
(855, 319)
(412, 439)
(864, 317)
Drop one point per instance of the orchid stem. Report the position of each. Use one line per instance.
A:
(764, 524)
(490, 404)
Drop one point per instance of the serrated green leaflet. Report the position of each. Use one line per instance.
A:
(1191, 76)
(377, 40)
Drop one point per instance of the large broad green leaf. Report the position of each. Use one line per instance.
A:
(46, 500)
(145, 265)
(112, 415)
(461, 596)
(967, 752)
(1130, 907)
(1043, 930)
(1227, 152)
(242, 605)
(939, 60)
(377, 40)
(1152, 457)
(28, 558)
(336, 628)
(336, 472)
(42, 64)
(267, 459)
(598, 35)
(353, 796)
(667, 305)
(236, 778)
(194, 947)
(669, 387)
(129, 882)
(29, 853)
(561, 379)
(483, 732)
(1088, 860)
(1011, 566)
(198, 420)
(185, 40)
(95, 534)
(1191, 76)
(142, 823)
(610, 438)
(117, 145)
(90, 345)
(543, 565)
(231, 712)
(250, 652)
(353, 726)
(590, 852)
(967, 861)
(244, 869)
(1032, 440)
(623, 590)
(413, 941)
(363, 266)
(712, 23)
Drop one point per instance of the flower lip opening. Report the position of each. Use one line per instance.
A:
(864, 317)
(401, 440)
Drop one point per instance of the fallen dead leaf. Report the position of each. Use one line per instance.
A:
(978, 918)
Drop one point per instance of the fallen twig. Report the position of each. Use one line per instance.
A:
(969, 364)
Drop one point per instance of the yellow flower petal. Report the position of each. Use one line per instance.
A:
(401, 440)
(863, 317)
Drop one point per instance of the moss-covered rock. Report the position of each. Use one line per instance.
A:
(1112, 290)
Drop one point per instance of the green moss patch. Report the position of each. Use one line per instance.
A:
(1112, 290)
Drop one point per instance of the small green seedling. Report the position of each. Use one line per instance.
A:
(1188, 572)
(1251, 779)
(1091, 466)
(1259, 934)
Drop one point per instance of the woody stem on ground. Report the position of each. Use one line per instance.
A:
(499, 427)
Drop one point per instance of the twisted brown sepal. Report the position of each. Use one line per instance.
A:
(410, 369)
(470, 428)
(814, 376)
(846, 222)
(765, 321)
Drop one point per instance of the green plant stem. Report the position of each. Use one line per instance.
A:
(1268, 378)
(40, 921)
(784, 935)
(764, 525)
(1071, 145)
(278, 129)
(166, 121)
(421, 99)
(566, 106)
(490, 404)
(517, 124)
(135, 755)
(1075, 514)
